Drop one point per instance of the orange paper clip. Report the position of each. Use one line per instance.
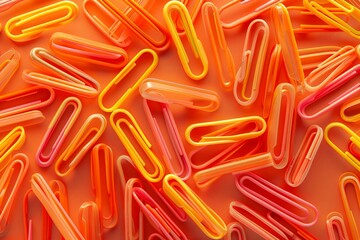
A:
(89, 221)
(312, 57)
(11, 142)
(84, 140)
(248, 78)
(30, 25)
(7, 4)
(350, 111)
(21, 119)
(133, 65)
(9, 63)
(178, 8)
(83, 50)
(102, 180)
(235, 232)
(336, 227)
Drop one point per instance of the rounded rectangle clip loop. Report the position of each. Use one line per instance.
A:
(349, 111)
(9, 63)
(235, 229)
(336, 227)
(89, 221)
(11, 142)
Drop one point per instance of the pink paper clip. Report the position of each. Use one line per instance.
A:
(89, 221)
(21, 119)
(339, 90)
(336, 227)
(299, 166)
(235, 232)
(164, 128)
(50, 144)
(9, 63)
(11, 142)
(350, 111)
(7, 4)
(274, 198)
(282, 116)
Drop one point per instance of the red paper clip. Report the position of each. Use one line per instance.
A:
(89, 221)
(9, 63)
(336, 226)
(21, 119)
(7, 4)
(11, 142)
(235, 232)
(350, 111)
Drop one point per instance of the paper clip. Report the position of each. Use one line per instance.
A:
(276, 199)
(84, 140)
(133, 230)
(9, 63)
(11, 142)
(39, 20)
(17, 170)
(54, 208)
(235, 232)
(223, 59)
(193, 8)
(7, 4)
(83, 50)
(336, 227)
(248, 77)
(327, 16)
(89, 221)
(285, 37)
(236, 12)
(51, 144)
(156, 236)
(65, 76)
(339, 90)
(25, 100)
(22, 119)
(195, 44)
(166, 133)
(349, 111)
(102, 180)
(122, 117)
(204, 217)
(312, 57)
(282, 116)
(123, 75)
(225, 131)
(169, 92)
(29, 222)
(346, 180)
(300, 165)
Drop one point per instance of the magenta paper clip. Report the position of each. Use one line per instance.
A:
(62, 122)
(339, 90)
(164, 128)
(9, 63)
(276, 199)
(89, 221)
(7, 4)
(235, 232)
(21, 119)
(336, 227)
(299, 166)
(13, 141)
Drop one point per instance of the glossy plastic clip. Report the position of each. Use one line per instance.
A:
(336, 227)
(7, 4)
(9, 63)
(235, 232)
(11, 142)
(21, 119)
(89, 221)
(312, 57)
(350, 111)
(134, 225)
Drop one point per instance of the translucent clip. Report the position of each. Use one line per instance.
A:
(339, 90)
(54, 208)
(7, 4)
(312, 57)
(347, 179)
(300, 165)
(336, 227)
(21, 119)
(187, 96)
(166, 133)
(281, 124)
(133, 230)
(223, 59)
(276, 199)
(225, 131)
(102, 180)
(11, 142)
(327, 16)
(51, 143)
(248, 78)
(9, 63)
(195, 44)
(89, 221)
(84, 140)
(235, 232)
(122, 117)
(83, 50)
(65, 76)
(39, 20)
(285, 37)
(127, 70)
(14, 174)
(204, 217)
(236, 12)
(349, 111)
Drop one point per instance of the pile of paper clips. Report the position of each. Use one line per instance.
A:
(318, 81)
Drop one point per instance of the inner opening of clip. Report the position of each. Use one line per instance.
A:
(337, 230)
(32, 212)
(12, 180)
(282, 127)
(353, 110)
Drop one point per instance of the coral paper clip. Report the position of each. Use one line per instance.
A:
(22, 119)
(50, 145)
(134, 226)
(39, 20)
(196, 46)
(84, 140)
(235, 232)
(7, 4)
(253, 59)
(11, 142)
(133, 65)
(204, 217)
(353, 218)
(169, 92)
(225, 131)
(349, 111)
(83, 50)
(89, 221)
(9, 63)
(276, 199)
(118, 119)
(336, 227)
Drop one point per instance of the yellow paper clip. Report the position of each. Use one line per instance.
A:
(253, 59)
(230, 131)
(327, 16)
(85, 139)
(350, 111)
(11, 142)
(204, 217)
(350, 206)
(346, 154)
(195, 44)
(120, 118)
(132, 65)
(39, 20)
(193, 7)
(89, 221)
(336, 227)
(9, 63)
